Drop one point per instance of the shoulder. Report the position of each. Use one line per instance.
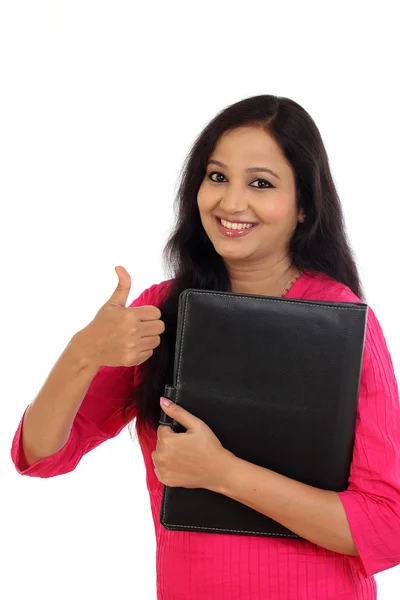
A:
(153, 295)
(320, 286)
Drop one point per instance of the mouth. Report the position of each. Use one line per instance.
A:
(236, 230)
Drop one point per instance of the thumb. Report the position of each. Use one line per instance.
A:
(120, 296)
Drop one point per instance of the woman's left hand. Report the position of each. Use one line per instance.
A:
(194, 459)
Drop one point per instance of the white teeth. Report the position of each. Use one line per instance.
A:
(230, 225)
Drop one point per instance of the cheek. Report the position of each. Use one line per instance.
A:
(276, 209)
(206, 199)
(202, 201)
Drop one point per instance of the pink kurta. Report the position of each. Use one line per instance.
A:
(202, 566)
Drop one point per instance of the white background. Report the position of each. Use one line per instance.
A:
(100, 101)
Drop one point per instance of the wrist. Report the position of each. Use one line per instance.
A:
(81, 352)
(226, 472)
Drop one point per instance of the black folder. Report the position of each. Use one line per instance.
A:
(277, 381)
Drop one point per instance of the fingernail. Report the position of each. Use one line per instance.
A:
(165, 401)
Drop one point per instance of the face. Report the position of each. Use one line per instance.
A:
(267, 200)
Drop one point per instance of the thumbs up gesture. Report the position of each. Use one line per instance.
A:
(120, 335)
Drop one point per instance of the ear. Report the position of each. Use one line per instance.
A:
(301, 216)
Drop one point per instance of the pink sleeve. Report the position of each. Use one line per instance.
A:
(372, 500)
(97, 419)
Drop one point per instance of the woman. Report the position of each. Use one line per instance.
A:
(258, 213)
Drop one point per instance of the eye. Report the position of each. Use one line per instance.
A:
(258, 187)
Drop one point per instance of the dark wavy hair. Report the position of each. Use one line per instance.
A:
(320, 243)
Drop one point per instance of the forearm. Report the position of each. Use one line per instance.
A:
(48, 420)
(314, 514)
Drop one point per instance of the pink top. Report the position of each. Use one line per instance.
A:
(204, 566)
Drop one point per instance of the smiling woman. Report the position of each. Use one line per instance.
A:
(273, 174)
(236, 196)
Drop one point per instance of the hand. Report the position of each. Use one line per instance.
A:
(120, 335)
(194, 459)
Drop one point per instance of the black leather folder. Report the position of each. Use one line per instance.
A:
(277, 380)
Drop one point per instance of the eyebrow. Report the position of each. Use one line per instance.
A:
(250, 170)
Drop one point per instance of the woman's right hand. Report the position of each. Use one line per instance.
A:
(119, 335)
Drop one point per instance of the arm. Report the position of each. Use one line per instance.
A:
(97, 420)
(315, 515)
(372, 500)
(77, 409)
(47, 421)
(363, 521)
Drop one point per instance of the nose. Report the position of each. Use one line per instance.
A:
(233, 200)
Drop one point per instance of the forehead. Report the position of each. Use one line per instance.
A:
(250, 146)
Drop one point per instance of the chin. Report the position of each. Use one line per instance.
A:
(233, 253)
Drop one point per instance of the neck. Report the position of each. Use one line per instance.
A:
(262, 280)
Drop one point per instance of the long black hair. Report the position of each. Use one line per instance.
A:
(320, 243)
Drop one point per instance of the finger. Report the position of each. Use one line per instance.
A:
(164, 431)
(149, 343)
(150, 328)
(180, 414)
(147, 312)
(156, 471)
(142, 357)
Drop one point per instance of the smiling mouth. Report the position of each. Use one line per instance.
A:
(235, 231)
